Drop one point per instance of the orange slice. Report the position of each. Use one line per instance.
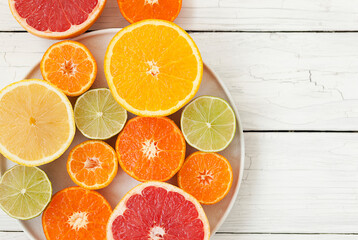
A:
(206, 176)
(153, 68)
(156, 211)
(92, 164)
(137, 10)
(151, 148)
(56, 19)
(70, 66)
(76, 213)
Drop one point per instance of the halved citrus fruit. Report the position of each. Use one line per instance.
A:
(70, 66)
(206, 176)
(208, 124)
(151, 148)
(157, 210)
(56, 19)
(92, 164)
(153, 68)
(76, 213)
(36, 122)
(24, 192)
(137, 10)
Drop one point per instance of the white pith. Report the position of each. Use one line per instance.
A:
(156, 233)
(153, 68)
(205, 177)
(150, 149)
(151, 2)
(78, 220)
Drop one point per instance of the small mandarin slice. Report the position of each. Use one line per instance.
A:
(92, 164)
(137, 10)
(76, 213)
(151, 148)
(70, 66)
(206, 176)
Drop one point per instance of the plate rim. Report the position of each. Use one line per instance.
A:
(231, 101)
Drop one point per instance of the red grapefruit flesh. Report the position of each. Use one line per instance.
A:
(56, 19)
(158, 211)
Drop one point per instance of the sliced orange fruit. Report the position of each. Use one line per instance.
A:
(36, 122)
(157, 210)
(137, 10)
(56, 19)
(151, 148)
(70, 66)
(206, 176)
(76, 213)
(92, 164)
(153, 68)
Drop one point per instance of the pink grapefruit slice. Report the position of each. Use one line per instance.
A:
(56, 19)
(159, 211)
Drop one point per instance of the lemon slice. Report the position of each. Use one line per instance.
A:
(98, 115)
(24, 192)
(208, 124)
(36, 122)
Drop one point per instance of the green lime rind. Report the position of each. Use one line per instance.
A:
(24, 192)
(98, 115)
(208, 124)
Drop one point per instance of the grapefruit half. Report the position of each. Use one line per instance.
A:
(56, 19)
(157, 210)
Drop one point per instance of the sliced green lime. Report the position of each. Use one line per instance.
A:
(98, 115)
(208, 124)
(24, 192)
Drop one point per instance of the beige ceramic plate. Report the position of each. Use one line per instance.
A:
(97, 42)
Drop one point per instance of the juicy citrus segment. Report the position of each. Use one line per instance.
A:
(98, 115)
(36, 122)
(208, 124)
(137, 10)
(156, 210)
(76, 213)
(24, 192)
(153, 68)
(56, 19)
(92, 164)
(70, 66)
(206, 176)
(151, 148)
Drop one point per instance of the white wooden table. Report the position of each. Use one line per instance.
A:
(292, 67)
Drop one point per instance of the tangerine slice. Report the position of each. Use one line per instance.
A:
(153, 68)
(92, 164)
(70, 66)
(151, 148)
(157, 210)
(56, 19)
(206, 176)
(137, 10)
(76, 213)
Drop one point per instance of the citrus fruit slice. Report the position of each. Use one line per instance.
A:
(151, 148)
(36, 122)
(24, 192)
(137, 10)
(153, 68)
(208, 124)
(98, 115)
(157, 210)
(70, 66)
(76, 213)
(56, 19)
(92, 164)
(206, 176)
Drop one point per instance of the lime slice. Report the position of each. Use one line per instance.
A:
(98, 115)
(24, 192)
(208, 124)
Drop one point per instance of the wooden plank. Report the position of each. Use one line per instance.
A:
(280, 81)
(243, 15)
(293, 183)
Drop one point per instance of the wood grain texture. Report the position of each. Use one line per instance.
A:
(292, 183)
(280, 81)
(243, 15)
